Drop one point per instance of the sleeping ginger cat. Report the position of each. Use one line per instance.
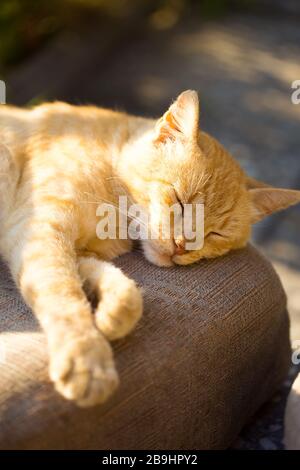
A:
(57, 162)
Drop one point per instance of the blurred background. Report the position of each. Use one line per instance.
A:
(137, 55)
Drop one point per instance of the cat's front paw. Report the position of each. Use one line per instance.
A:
(120, 307)
(83, 370)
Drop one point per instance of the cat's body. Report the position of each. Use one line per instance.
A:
(57, 164)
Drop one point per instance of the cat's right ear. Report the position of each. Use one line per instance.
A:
(266, 200)
(181, 121)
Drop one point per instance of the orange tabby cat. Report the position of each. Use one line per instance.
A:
(57, 162)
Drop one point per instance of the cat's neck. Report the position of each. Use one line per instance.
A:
(139, 131)
(125, 158)
(131, 141)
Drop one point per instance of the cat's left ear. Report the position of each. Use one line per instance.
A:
(181, 121)
(266, 200)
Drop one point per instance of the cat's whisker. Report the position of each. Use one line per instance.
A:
(135, 218)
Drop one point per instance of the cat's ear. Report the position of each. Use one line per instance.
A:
(266, 200)
(181, 121)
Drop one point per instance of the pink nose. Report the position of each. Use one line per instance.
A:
(179, 248)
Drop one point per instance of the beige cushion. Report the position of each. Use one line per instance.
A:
(212, 347)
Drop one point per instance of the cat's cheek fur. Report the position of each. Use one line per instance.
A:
(193, 257)
(208, 251)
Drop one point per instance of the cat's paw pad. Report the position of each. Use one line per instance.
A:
(119, 310)
(83, 370)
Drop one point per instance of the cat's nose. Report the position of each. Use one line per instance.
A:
(179, 247)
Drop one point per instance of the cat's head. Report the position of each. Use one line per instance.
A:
(177, 163)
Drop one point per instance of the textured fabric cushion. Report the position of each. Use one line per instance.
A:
(211, 348)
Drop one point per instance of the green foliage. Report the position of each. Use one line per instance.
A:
(26, 24)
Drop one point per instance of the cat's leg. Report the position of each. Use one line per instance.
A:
(44, 264)
(119, 301)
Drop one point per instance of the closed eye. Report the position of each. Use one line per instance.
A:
(216, 234)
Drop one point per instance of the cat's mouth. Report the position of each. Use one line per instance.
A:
(164, 257)
(157, 255)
